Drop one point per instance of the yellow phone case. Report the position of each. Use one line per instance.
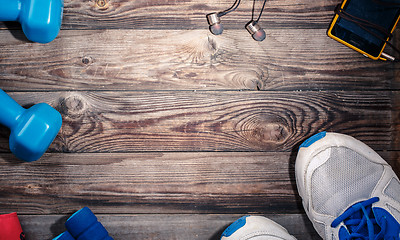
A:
(353, 47)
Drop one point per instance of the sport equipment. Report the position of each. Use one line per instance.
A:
(40, 19)
(32, 130)
(348, 190)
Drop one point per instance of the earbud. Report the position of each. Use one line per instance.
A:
(215, 23)
(255, 30)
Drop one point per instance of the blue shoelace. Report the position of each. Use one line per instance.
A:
(361, 223)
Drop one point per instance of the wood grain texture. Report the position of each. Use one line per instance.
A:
(289, 59)
(161, 226)
(156, 183)
(150, 183)
(189, 14)
(165, 134)
(396, 130)
(211, 121)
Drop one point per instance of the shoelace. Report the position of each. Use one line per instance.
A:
(361, 223)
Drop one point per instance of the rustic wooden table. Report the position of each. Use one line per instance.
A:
(170, 132)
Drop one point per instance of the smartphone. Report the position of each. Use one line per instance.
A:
(385, 13)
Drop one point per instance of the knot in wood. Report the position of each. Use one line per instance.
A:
(33, 188)
(72, 106)
(266, 131)
(254, 84)
(102, 4)
(254, 79)
(87, 60)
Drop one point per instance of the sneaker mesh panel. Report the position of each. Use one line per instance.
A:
(345, 178)
(393, 189)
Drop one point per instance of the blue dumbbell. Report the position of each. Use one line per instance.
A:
(40, 19)
(32, 129)
(83, 225)
(64, 236)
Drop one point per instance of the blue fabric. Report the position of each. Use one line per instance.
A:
(362, 221)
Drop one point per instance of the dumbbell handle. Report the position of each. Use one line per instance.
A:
(10, 110)
(9, 10)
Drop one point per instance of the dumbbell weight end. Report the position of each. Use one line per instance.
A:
(9, 10)
(40, 19)
(32, 129)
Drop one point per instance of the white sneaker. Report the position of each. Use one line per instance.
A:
(348, 190)
(255, 228)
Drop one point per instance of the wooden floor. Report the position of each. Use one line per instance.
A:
(170, 132)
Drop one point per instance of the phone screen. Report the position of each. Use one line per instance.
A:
(376, 12)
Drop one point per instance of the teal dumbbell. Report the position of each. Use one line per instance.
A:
(40, 19)
(32, 129)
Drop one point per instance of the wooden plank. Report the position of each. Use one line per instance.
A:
(161, 226)
(150, 183)
(189, 14)
(210, 121)
(396, 131)
(289, 59)
(132, 183)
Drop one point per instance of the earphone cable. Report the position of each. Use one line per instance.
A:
(362, 22)
(261, 11)
(231, 9)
